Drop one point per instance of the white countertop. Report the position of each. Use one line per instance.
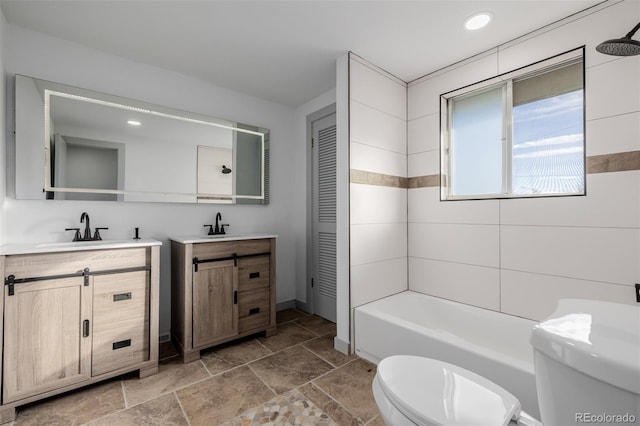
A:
(196, 239)
(32, 248)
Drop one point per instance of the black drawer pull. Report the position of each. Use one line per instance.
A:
(254, 311)
(85, 328)
(121, 344)
(254, 275)
(121, 296)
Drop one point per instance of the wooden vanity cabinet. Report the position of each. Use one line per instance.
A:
(221, 291)
(75, 318)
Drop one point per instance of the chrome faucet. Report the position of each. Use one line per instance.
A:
(84, 218)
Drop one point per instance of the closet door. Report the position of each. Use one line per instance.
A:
(324, 217)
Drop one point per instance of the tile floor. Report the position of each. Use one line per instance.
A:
(293, 377)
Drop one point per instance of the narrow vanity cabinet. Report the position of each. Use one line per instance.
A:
(221, 289)
(75, 315)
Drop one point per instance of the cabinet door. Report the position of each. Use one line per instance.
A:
(44, 344)
(215, 307)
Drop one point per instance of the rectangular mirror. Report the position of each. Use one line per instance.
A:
(96, 146)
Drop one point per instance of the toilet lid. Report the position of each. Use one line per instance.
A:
(432, 392)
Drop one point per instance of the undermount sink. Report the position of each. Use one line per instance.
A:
(217, 236)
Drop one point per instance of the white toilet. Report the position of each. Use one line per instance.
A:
(587, 365)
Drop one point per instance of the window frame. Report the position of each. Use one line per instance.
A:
(506, 80)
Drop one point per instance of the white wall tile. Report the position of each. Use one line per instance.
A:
(613, 200)
(371, 159)
(377, 204)
(424, 163)
(372, 127)
(589, 30)
(474, 285)
(470, 244)
(378, 242)
(613, 88)
(425, 206)
(423, 134)
(377, 90)
(377, 280)
(535, 296)
(596, 254)
(608, 135)
(424, 97)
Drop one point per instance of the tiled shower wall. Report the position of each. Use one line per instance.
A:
(519, 256)
(378, 194)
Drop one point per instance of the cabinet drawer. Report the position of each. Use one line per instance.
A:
(253, 310)
(47, 264)
(120, 297)
(227, 248)
(120, 347)
(253, 273)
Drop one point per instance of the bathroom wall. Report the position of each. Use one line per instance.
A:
(37, 55)
(3, 121)
(519, 256)
(378, 194)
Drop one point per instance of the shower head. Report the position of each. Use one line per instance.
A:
(225, 170)
(621, 46)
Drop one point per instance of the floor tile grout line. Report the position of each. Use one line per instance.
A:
(124, 394)
(331, 398)
(184, 412)
(205, 367)
(334, 367)
(308, 329)
(263, 381)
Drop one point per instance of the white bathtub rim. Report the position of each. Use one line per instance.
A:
(448, 338)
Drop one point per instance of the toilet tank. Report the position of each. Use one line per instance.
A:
(587, 363)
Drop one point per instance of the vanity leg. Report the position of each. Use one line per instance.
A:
(7, 414)
(147, 371)
(270, 331)
(190, 356)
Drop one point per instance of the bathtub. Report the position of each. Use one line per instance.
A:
(489, 343)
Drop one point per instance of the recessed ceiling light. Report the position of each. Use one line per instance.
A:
(477, 21)
(134, 122)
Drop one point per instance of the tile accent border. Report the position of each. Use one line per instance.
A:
(378, 179)
(606, 163)
(617, 162)
(427, 181)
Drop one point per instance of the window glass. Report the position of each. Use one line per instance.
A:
(477, 144)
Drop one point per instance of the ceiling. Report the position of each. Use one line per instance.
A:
(285, 51)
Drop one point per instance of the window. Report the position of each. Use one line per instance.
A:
(520, 134)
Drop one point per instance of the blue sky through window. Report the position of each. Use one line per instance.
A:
(548, 145)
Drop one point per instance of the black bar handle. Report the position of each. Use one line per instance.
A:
(235, 297)
(121, 344)
(85, 328)
(10, 282)
(121, 296)
(85, 273)
(637, 292)
(254, 311)
(254, 275)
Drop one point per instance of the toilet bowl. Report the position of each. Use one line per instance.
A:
(587, 362)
